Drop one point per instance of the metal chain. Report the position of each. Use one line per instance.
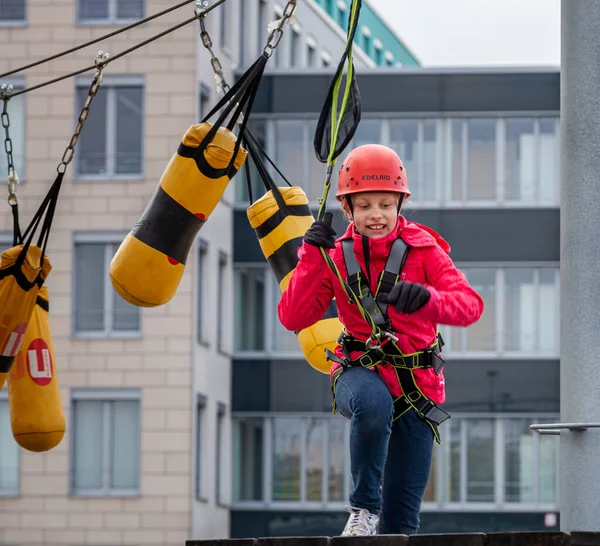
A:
(276, 33)
(101, 60)
(13, 179)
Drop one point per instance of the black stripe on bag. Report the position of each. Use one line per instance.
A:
(6, 363)
(204, 166)
(43, 304)
(285, 258)
(167, 226)
(270, 224)
(332, 311)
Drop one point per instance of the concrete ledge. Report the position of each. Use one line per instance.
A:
(548, 538)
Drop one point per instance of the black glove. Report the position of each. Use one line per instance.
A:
(321, 233)
(406, 297)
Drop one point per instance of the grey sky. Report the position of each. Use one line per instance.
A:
(477, 32)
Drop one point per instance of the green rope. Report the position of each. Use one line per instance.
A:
(336, 124)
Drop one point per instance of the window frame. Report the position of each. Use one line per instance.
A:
(7, 23)
(201, 410)
(443, 166)
(221, 412)
(106, 239)
(18, 83)
(500, 317)
(220, 339)
(106, 396)
(10, 493)
(109, 85)
(112, 18)
(202, 284)
(438, 505)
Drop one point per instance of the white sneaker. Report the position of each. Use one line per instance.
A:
(360, 523)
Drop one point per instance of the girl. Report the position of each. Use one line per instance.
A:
(391, 435)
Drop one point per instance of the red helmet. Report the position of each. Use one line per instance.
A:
(372, 167)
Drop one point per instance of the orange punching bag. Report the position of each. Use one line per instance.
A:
(36, 412)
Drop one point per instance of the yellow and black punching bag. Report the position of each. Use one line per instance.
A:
(149, 264)
(36, 412)
(280, 231)
(20, 280)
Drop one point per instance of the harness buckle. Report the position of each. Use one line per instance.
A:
(374, 342)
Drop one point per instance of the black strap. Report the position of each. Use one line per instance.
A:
(388, 278)
(412, 397)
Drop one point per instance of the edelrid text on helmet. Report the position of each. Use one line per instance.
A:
(372, 167)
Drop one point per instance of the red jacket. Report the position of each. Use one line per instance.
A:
(313, 285)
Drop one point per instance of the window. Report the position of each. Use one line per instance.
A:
(221, 300)
(502, 161)
(325, 58)
(485, 460)
(111, 145)
(10, 467)
(225, 29)
(110, 11)
(204, 101)
(521, 315)
(200, 422)
(12, 11)
(311, 55)
(417, 143)
(250, 305)
(221, 450)
(105, 458)
(201, 336)
(15, 109)
(295, 47)
(98, 310)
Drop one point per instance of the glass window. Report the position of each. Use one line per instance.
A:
(518, 461)
(481, 336)
(456, 156)
(200, 451)
(220, 468)
(282, 339)
(12, 11)
(337, 455)
(289, 150)
(287, 452)
(106, 444)
(548, 158)
(110, 11)
(10, 466)
(368, 132)
(314, 459)
(249, 313)
(547, 319)
(98, 308)
(15, 109)
(480, 460)
(481, 166)
(221, 293)
(201, 336)
(520, 310)
(520, 164)
(248, 456)
(112, 143)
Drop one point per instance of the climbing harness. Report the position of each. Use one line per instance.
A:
(386, 351)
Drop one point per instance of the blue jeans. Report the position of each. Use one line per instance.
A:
(400, 453)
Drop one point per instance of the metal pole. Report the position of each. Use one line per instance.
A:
(580, 263)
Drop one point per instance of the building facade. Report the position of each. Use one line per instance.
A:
(481, 152)
(146, 458)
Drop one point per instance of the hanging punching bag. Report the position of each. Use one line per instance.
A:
(280, 228)
(149, 264)
(20, 280)
(36, 412)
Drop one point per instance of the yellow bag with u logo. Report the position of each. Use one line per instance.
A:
(149, 264)
(280, 228)
(36, 412)
(20, 280)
